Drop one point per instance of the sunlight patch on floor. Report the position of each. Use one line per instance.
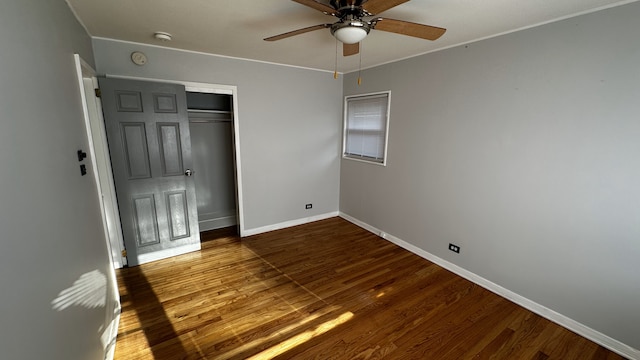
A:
(292, 342)
(282, 332)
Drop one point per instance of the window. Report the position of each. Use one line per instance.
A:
(366, 123)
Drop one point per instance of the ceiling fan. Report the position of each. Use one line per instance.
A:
(357, 18)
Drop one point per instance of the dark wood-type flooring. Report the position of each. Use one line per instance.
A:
(325, 290)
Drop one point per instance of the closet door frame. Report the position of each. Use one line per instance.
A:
(216, 89)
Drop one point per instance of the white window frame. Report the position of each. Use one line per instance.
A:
(386, 130)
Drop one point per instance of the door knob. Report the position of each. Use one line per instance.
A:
(188, 172)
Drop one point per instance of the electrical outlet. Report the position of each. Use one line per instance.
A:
(454, 248)
(308, 206)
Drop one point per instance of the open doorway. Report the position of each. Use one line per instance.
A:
(230, 215)
(210, 123)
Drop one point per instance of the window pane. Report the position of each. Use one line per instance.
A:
(366, 126)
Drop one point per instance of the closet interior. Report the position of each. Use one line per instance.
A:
(211, 127)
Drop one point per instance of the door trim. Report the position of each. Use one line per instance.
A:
(91, 111)
(216, 89)
(99, 156)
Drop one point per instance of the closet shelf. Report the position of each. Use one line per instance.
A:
(209, 116)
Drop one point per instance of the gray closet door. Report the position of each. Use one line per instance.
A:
(148, 134)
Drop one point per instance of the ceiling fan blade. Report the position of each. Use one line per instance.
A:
(377, 6)
(408, 28)
(350, 49)
(297, 32)
(318, 6)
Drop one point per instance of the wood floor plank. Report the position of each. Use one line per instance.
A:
(495, 345)
(374, 324)
(324, 290)
(526, 331)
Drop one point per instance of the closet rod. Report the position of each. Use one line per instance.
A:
(209, 121)
(200, 111)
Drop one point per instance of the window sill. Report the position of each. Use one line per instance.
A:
(384, 163)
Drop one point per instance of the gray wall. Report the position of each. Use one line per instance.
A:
(289, 125)
(524, 150)
(50, 220)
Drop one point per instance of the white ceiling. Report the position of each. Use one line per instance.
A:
(236, 27)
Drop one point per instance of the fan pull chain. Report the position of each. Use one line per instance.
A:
(360, 65)
(335, 71)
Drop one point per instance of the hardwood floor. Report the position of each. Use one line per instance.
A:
(325, 290)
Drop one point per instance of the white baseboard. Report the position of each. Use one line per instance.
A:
(167, 253)
(562, 320)
(217, 223)
(287, 224)
(110, 336)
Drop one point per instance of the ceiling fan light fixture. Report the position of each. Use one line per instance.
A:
(351, 32)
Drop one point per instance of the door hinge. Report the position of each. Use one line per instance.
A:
(98, 92)
(124, 253)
